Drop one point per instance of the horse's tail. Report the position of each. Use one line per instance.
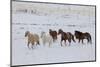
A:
(90, 39)
(38, 42)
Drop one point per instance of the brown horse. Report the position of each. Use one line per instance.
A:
(71, 36)
(53, 33)
(81, 36)
(66, 36)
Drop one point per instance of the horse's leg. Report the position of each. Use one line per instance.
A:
(44, 43)
(53, 40)
(79, 40)
(61, 42)
(32, 45)
(65, 43)
(49, 44)
(56, 37)
(38, 42)
(69, 40)
(82, 41)
(28, 44)
(88, 40)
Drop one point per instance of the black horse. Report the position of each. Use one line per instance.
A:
(81, 36)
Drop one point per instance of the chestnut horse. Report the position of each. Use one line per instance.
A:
(81, 36)
(53, 33)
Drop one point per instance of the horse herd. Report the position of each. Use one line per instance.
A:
(52, 37)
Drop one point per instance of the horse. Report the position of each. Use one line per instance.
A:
(65, 36)
(32, 38)
(53, 33)
(46, 38)
(71, 36)
(81, 36)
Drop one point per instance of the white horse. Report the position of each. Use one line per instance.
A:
(46, 38)
(32, 38)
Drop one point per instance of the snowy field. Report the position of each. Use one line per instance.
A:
(22, 22)
(43, 54)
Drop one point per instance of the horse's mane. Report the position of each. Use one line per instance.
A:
(51, 30)
(77, 31)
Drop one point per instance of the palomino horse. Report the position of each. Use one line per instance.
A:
(32, 38)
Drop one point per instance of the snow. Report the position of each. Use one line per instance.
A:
(22, 55)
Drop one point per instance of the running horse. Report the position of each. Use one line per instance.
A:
(81, 36)
(65, 36)
(53, 33)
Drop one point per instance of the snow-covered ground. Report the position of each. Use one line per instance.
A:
(41, 54)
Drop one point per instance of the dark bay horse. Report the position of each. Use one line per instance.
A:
(71, 36)
(53, 33)
(66, 36)
(81, 36)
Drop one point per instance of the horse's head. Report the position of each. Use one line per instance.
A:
(50, 31)
(60, 31)
(77, 34)
(26, 33)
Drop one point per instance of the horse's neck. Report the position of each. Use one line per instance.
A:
(43, 35)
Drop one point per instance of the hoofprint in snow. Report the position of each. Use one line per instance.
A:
(22, 55)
